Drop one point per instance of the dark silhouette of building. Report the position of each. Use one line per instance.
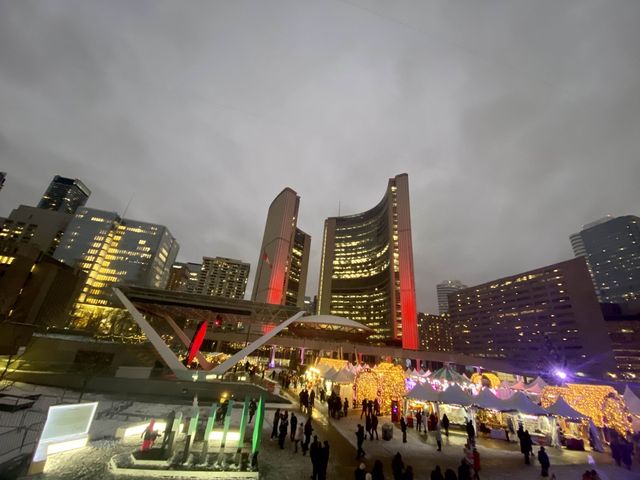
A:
(611, 247)
(35, 226)
(64, 195)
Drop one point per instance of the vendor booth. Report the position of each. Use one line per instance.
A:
(572, 427)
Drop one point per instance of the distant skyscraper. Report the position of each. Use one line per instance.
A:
(184, 277)
(115, 250)
(444, 289)
(611, 247)
(64, 195)
(34, 226)
(281, 274)
(3, 177)
(366, 268)
(223, 277)
(538, 320)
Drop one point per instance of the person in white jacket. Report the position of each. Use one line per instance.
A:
(297, 437)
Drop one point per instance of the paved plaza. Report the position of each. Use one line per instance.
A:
(500, 460)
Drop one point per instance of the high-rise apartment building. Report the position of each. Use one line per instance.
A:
(64, 195)
(115, 250)
(611, 247)
(435, 332)
(623, 325)
(443, 289)
(366, 270)
(539, 320)
(184, 277)
(281, 275)
(223, 277)
(35, 226)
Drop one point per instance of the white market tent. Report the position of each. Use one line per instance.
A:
(454, 395)
(562, 409)
(486, 399)
(329, 373)
(632, 400)
(519, 385)
(424, 393)
(522, 404)
(538, 382)
(343, 376)
(534, 389)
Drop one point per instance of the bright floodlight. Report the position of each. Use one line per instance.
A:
(562, 375)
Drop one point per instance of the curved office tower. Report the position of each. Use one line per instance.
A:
(366, 270)
(281, 276)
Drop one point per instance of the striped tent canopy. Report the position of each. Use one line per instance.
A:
(450, 375)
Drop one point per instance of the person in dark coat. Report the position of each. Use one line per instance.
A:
(361, 472)
(367, 426)
(276, 421)
(315, 453)
(374, 426)
(626, 452)
(294, 425)
(408, 473)
(360, 435)
(450, 475)
(525, 446)
(397, 466)
(436, 473)
(324, 461)
(445, 424)
(345, 406)
(377, 473)
(471, 433)
(403, 427)
(283, 430)
(419, 421)
(308, 429)
(252, 409)
(464, 470)
(543, 458)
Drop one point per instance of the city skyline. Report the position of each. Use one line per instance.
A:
(506, 157)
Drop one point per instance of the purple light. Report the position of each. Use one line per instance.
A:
(560, 374)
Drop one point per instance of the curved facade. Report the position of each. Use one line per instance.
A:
(366, 271)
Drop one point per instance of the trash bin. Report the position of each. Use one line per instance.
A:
(387, 431)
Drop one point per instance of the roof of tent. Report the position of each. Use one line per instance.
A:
(329, 373)
(344, 376)
(446, 373)
(562, 409)
(632, 400)
(534, 389)
(518, 386)
(455, 396)
(539, 382)
(423, 392)
(522, 404)
(486, 399)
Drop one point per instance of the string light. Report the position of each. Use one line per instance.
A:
(385, 381)
(492, 378)
(601, 403)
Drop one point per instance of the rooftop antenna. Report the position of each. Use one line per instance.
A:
(128, 204)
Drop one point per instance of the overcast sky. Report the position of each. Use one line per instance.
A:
(517, 120)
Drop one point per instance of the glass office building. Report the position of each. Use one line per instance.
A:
(64, 195)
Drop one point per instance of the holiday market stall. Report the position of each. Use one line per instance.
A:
(385, 381)
(532, 417)
(572, 427)
(489, 418)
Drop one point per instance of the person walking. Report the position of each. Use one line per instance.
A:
(367, 426)
(312, 398)
(543, 458)
(476, 463)
(445, 424)
(276, 421)
(324, 461)
(436, 473)
(360, 438)
(525, 446)
(450, 475)
(252, 409)
(297, 438)
(282, 434)
(361, 472)
(471, 433)
(374, 426)
(364, 408)
(149, 436)
(419, 421)
(377, 473)
(439, 437)
(314, 453)
(294, 425)
(397, 466)
(464, 470)
(308, 429)
(403, 427)
(345, 406)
